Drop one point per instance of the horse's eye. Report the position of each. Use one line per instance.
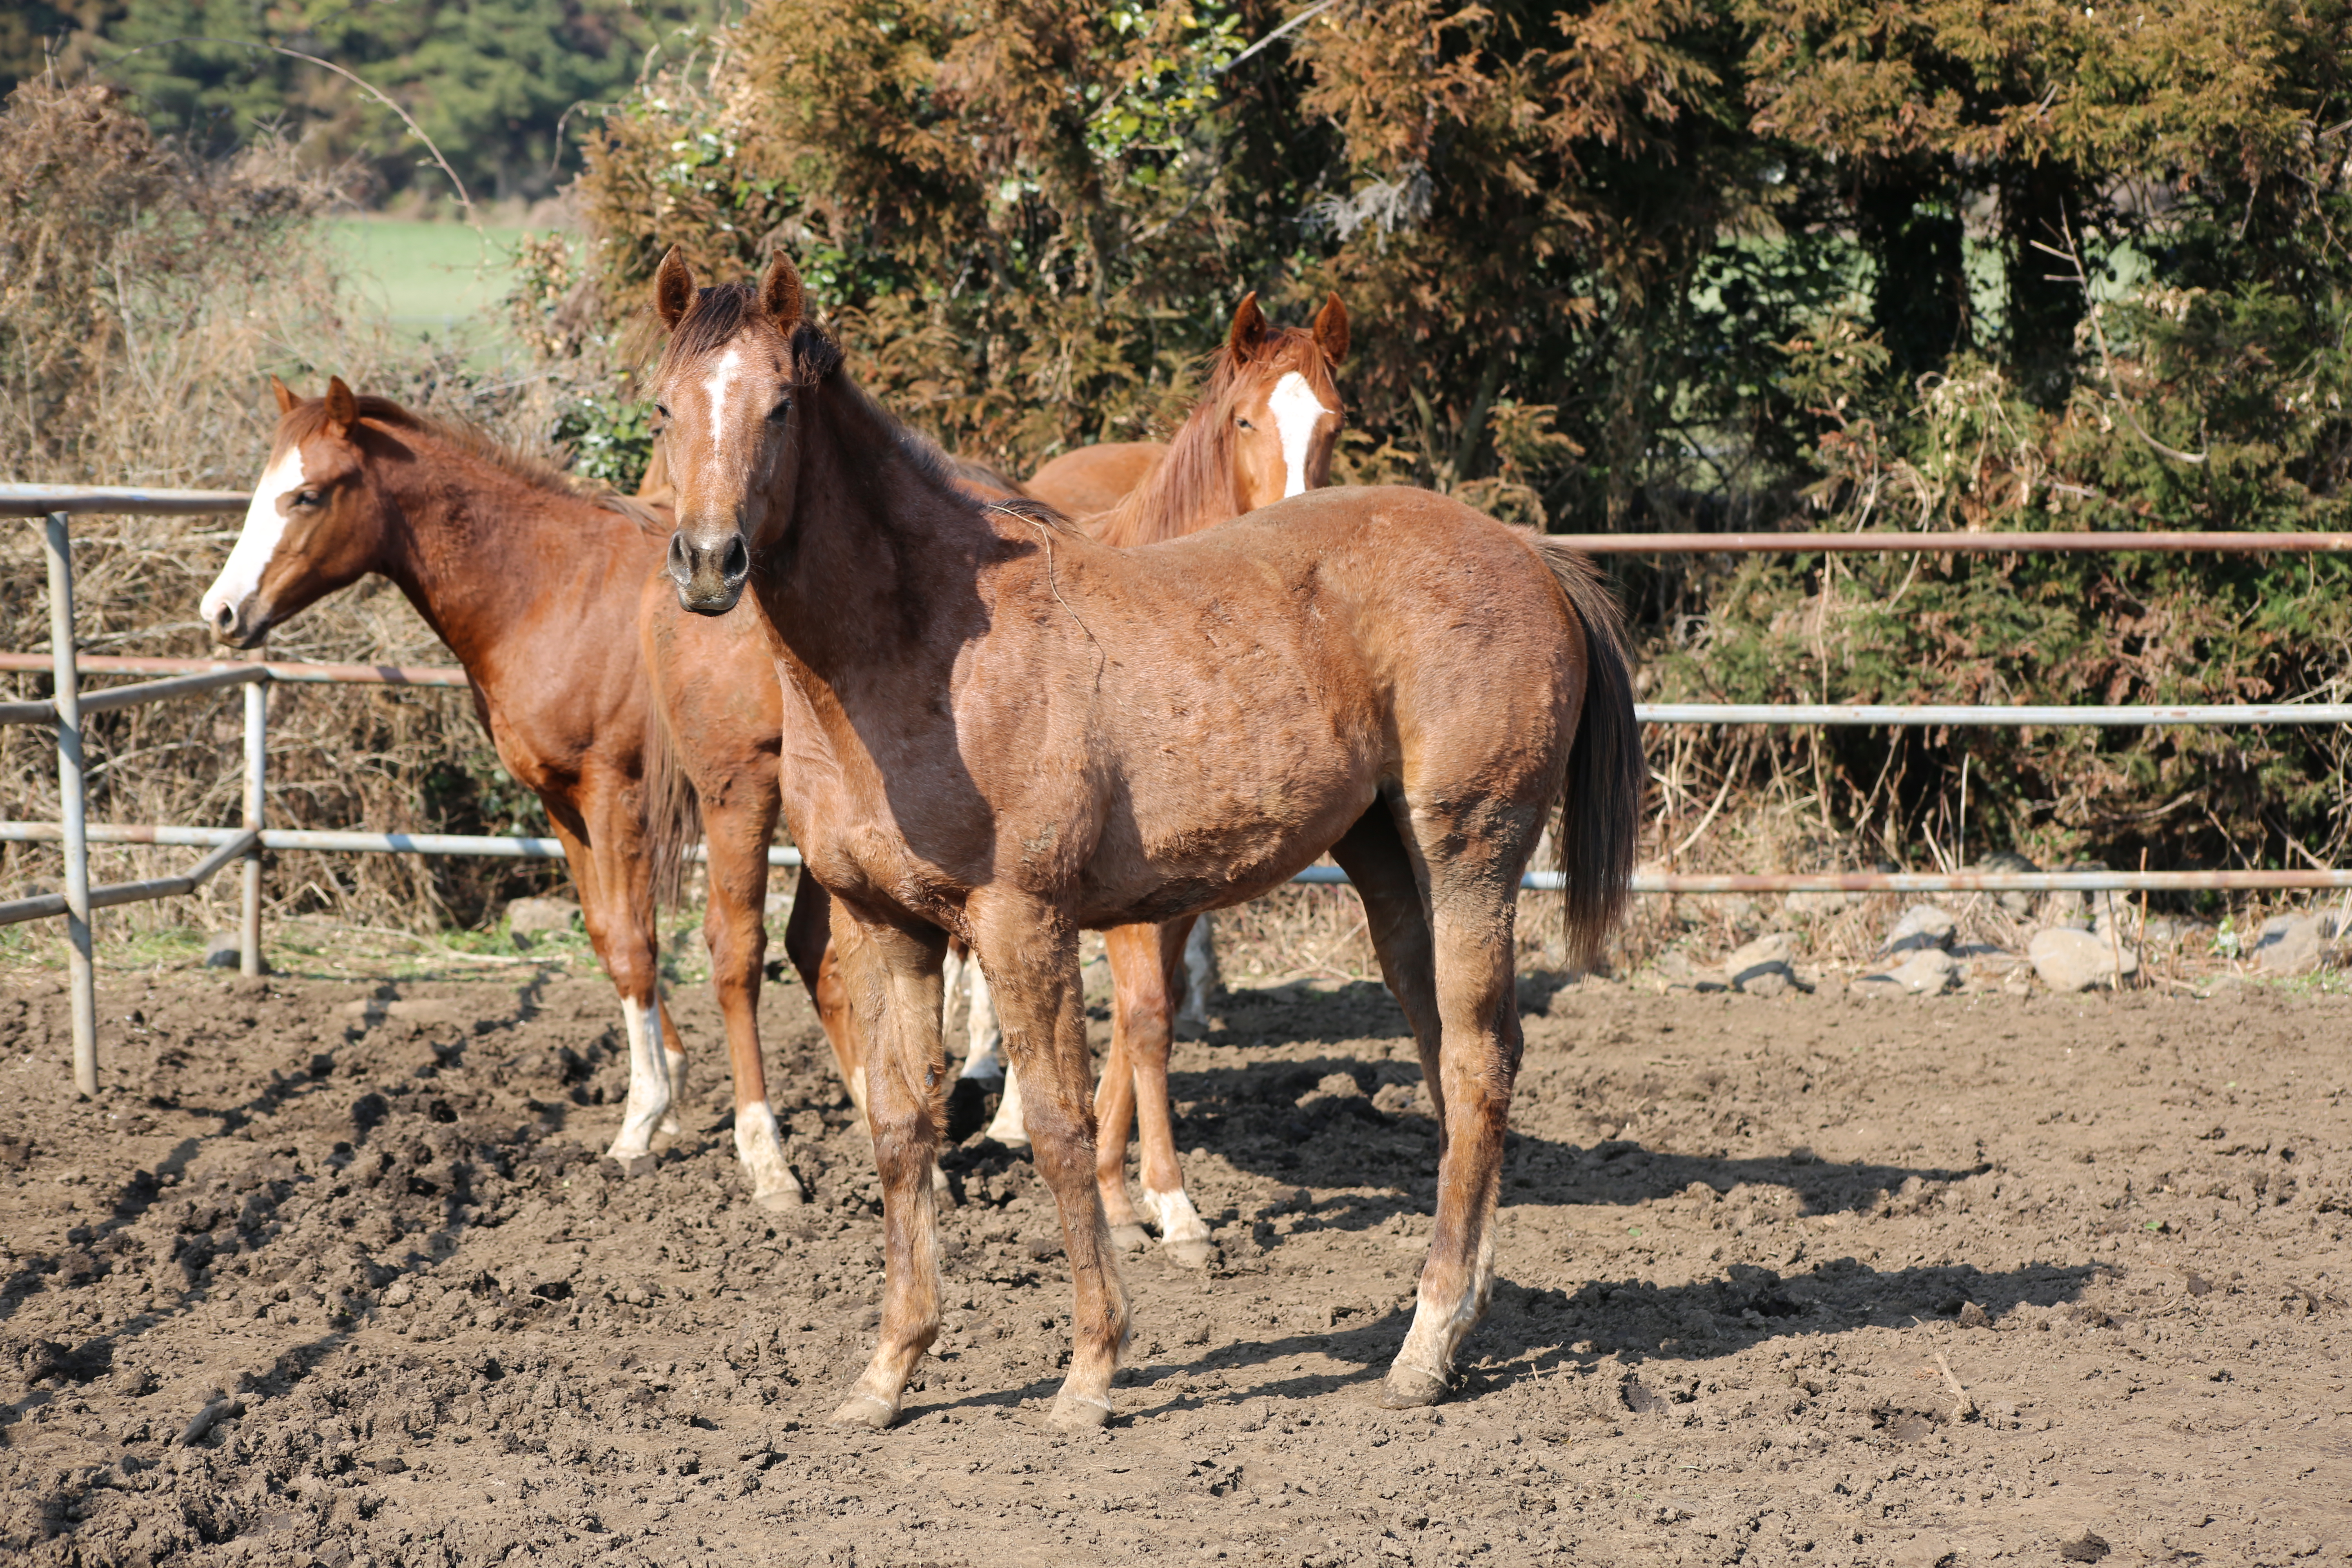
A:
(661, 410)
(1244, 423)
(306, 498)
(776, 415)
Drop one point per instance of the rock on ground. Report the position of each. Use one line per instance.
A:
(1921, 926)
(534, 916)
(2070, 960)
(1928, 971)
(1762, 968)
(2294, 944)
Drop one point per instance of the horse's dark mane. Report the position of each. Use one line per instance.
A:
(1192, 486)
(309, 418)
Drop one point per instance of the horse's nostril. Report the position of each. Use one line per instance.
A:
(678, 565)
(737, 565)
(225, 618)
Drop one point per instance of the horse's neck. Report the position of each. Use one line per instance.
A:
(472, 545)
(1190, 491)
(881, 573)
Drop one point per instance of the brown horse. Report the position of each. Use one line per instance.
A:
(536, 589)
(1275, 436)
(1000, 728)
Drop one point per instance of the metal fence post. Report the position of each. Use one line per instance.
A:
(257, 753)
(72, 808)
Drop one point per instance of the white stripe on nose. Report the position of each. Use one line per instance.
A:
(1296, 411)
(715, 386)
(265, 525)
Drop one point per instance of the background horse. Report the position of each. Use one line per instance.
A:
(1291, 451)
(1003, 729)
(535, 588)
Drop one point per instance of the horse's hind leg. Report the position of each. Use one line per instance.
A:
(735, 929)
(1373, 854)
(1115, 1089)
(809, 943)
(1147, 967)
(1008, 1126)
(621, 933)
(1473, 905)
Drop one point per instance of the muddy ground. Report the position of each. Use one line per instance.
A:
(324, 1280)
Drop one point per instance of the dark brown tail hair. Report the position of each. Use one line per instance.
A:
(1600, 819)
(672, 810)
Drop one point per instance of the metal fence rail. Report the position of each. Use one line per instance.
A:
(66, 708)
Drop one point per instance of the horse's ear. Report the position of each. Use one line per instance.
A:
(1331, 330)
(342, 408)
(286, 398)
(673, 288)
(780, 292)
(1249, 333)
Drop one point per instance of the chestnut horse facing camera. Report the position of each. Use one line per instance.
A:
(1277, 413)
(536, 589)
(1000, 728)
(1227, 458)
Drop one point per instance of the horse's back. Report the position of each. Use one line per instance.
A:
(1286, 663)
(1096, 478)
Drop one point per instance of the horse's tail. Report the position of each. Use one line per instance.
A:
(672, 809)
(1601, 823)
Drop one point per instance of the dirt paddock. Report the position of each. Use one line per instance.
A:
(333, 1274)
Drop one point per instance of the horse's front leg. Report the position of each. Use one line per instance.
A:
(892, 979)
(1030, 952)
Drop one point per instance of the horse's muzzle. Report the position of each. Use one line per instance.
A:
(232, 627)
(709, 578)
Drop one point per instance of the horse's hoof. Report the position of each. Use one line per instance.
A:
(870, 1411)
(1191, 1253)
(1072, 1413)
(778, 1199)
(671, 1127)
(639, 1164)
(1410, 1388)
(1128, 1237)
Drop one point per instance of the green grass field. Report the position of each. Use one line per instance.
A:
(440, 280)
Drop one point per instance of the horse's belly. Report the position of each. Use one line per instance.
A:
(1215, 832)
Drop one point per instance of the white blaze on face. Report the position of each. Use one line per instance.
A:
(717, 387)
(265, 525)
(1295, 412)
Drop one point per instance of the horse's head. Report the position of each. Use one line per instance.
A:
(1279, 402)
(311, 527)
(737, 356)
